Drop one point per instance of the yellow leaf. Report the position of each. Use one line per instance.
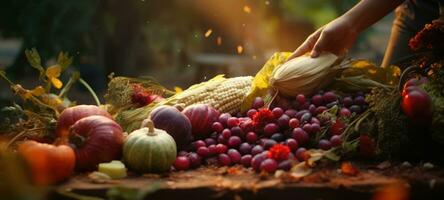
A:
(52, 100)
(178, 89)
(37, 91)
(260, 84)
(53, 71)
(57, 83)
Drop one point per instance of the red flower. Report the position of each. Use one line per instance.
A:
(140, 96)
(279, 152)
(262, 117)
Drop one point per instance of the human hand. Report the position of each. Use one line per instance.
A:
(335, 37)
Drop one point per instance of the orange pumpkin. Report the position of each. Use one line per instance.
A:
(48, 163)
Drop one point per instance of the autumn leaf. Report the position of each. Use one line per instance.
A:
(35, 61)
(53, 73)
(348, 169)
(64, 60)
(38, 91)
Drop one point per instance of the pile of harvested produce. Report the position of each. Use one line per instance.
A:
(290, 115)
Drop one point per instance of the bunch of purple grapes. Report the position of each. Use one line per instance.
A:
(294, 124)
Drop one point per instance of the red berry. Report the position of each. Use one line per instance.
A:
(232, 122)
(293, 123)
(300, 135)
(224, 159)
(257, 160)
(300, 98)
(337, 127)
(234, 141)
(292, 143)
(335, 140)
(251, 137)
(317, 100)
(218, 127)
(221, 148)
(195, 160)
(203, 152)
(277, 112)
(269, 165)
(324, 144)
(300, 154)
(246, 160)
(251, 112)
(345, 112)
(270, 129)
(181, 163)
(234, 155)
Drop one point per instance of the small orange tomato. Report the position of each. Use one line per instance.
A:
(48, 163)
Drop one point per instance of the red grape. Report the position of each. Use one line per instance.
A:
(317, 100)
(224, 160)
(237, 131)
(324, 144)
(268, 143)
(223, 118)
(257, 160)
(181, 163)
(232, 122)
(251, 137)
(285, 165)
(212, 150)
(221, 148)
(277, 112)
(320, 109)
(218, 127)
(300, 98)
(307, 128)
(210, 141)
(315, 128)
(292, 144)
(246, 160)
(312, 109)
(257, 150)
(234, 141)
(271, 128)
(251, 112)
(235, 156)
(337, 127)
(258, 102)
(245, 148)
(300, 135)
(199, 143)
(269, 165)
(345, 112)
(195, 159)
(315, 120)
(329, 97)
(335, 140)
(291, 112)
(283, 121)
(300, 113)
(203, 152)
(300, 154)
(293, 123)
(221, 139)
(347, 101)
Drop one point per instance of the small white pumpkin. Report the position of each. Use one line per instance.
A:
(149, 150)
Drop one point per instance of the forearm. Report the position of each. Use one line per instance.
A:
(367, 12)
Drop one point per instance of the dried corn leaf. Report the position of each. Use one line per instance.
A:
(260, 84)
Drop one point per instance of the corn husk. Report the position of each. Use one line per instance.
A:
(305, 75)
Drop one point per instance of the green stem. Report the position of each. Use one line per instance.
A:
(74, 78)
(3, 75)
(91, 91)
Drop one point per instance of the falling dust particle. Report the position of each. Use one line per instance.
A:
(208, 33)
(240, 49)
(247, 9)
(219, 41)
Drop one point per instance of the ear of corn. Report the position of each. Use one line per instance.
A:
(223, 94)
(304, 75)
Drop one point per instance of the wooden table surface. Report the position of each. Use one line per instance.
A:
(327, 182)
